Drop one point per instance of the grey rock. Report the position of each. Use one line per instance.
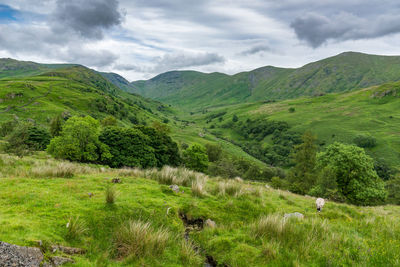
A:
(68, 250)
(174, 188)
(210, 223)
(17, 256)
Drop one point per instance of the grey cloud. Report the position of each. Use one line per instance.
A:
(175, 61)
(316, 29)
(256, 49)
(88, 18)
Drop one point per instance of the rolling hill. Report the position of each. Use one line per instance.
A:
(344, 72)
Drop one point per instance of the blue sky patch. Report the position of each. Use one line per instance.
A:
(7, 13)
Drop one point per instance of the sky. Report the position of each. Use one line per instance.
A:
(139, 39)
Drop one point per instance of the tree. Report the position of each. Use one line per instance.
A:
(79, 141)
(109, 121)
(354, 173)
(56, 125)
(129, 147)
(27, 137)
(214, 152)
(302, 175)
(165, 149)
(195, 158)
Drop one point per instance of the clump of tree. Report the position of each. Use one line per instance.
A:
(25, 138)
(79, 141)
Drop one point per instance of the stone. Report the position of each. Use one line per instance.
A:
(57, 261)
(13, 255)
(174, 188)
(67, 250)
(294, 215)
(210, 223)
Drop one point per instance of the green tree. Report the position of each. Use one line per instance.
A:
(354, 173)
(109, 121)
(27, 137)
(56, 125)
(129, 147)
(165, 149)
(195, 158)
(302, 175)
(79, 141)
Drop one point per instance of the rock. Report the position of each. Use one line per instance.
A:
(116, 181)
(210, 223)
(174, 188)
(295, 214)
(13, 255)
(90, 195)
(57, 261)
(67, 250)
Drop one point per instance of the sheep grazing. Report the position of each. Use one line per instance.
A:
(320, 202)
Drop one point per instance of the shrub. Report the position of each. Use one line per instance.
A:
(7, 127)
(292, 109)
(393, 188)
(139, 239)
(109, 121)
(56, 125)
(279, 183)
(76, 228)
(365, 141)
(195, 158)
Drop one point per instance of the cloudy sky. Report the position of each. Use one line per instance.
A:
(142, 38)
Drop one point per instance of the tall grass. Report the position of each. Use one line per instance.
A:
(139, 239)
(76, 228)
(111, 195)
(189, 256)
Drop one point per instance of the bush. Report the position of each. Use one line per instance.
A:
(393, 188)
(292, 109)
(7, 127)
(279, 183)
(195, 158)
(354, 174)
(56, 125)
(139, 239)
(109, 121)
(79, 141)
(365, 141)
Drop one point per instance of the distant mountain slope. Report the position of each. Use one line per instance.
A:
(38, 92)
(344, 72)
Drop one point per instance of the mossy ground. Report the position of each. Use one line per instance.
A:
(39, 209)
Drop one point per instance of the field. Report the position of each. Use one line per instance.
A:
(40, 196)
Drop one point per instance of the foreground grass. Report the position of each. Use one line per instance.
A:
(250, 228)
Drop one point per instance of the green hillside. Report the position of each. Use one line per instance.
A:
(150, 225)
(373, 111)
(344, 72)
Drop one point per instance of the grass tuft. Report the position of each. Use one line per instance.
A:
(139, 239)
(76, 229)
(111, 195)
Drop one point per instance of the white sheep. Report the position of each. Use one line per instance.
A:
(320, 202)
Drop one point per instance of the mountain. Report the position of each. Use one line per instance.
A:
(39, 92)
(344, 72)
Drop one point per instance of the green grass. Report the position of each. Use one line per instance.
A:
(250, 229)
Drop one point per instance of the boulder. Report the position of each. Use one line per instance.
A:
(13, 255)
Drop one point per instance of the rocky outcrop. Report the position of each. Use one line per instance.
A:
(16, 256)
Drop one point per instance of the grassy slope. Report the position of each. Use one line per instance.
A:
(333, 117)
(39, 208)
(347, 71)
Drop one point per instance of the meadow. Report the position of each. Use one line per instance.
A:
(40, 196)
